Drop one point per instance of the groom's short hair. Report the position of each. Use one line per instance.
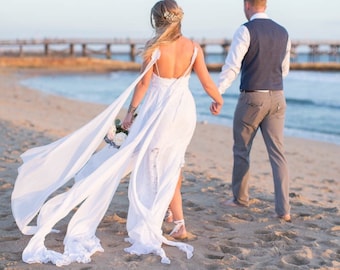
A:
(257, 3)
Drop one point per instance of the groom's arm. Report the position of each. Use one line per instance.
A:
(232, 66)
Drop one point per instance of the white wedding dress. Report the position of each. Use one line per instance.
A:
(153, 153)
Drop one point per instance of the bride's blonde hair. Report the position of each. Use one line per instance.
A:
(165, 18)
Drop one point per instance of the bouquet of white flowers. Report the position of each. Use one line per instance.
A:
(116, 134)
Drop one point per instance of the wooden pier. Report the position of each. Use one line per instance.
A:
(108, 48)
(70, 47)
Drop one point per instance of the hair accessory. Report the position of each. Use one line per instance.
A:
(171, 17)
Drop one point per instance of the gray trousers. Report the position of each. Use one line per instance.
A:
(264, 110)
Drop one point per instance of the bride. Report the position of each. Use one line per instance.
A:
(153, 153)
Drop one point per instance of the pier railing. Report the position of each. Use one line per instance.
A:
(109, 47)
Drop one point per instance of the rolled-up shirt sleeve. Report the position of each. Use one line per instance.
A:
(232, 66)
(286, 60)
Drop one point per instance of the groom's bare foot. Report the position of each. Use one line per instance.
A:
(286, 218)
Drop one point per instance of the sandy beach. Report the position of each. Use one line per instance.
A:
(223, 238)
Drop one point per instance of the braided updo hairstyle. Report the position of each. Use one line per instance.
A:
(165, 18)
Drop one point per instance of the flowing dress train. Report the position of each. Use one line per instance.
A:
(153, 153)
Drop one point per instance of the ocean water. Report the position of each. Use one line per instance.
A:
(313, 98)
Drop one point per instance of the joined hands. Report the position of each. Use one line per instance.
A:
(215, 108)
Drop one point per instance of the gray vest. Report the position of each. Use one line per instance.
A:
(262, 65)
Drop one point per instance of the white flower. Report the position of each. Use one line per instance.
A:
(119, 138)
(116, 135)
(111, 133)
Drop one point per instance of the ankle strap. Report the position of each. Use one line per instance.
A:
(179, 222)
(178, 225)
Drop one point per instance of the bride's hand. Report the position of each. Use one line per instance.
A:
(127, 122)
(215, 108)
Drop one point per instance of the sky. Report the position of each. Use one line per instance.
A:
(37, 19)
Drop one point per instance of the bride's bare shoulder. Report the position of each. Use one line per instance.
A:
(191, 42)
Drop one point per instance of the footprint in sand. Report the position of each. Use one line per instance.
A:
(328, 181)
(9, 238)
(133, 258)
(331, 209)
(333, 244)
(334, 231)
(281, 238)
(304, 216)
(9, 228)
(336, 222)
(244, 217)
(12, 257)
(190, 204)
(221, 223)
(306, 241)
(266, 235)
(230, 250)
(293, 261)
(6, 186)
(193, 206)
(114, 223)
(298, 258)
(313, 226)
(214, 256)
(240, 242)
(219, 252)
(288, 234)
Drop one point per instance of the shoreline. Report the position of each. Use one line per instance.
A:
(223, 238)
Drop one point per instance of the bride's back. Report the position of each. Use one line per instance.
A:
(175, 58)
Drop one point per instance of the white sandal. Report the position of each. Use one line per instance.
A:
(179, 224)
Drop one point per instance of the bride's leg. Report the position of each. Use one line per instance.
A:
(176, 202)
(176, 208)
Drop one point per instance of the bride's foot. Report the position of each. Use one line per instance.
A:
(179, 231)
(168, 216)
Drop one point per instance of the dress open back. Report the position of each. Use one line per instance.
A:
(153, 153)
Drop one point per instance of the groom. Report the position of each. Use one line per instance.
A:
(260, 49)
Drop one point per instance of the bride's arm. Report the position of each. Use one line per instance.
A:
(137, 97)
(207, 82)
